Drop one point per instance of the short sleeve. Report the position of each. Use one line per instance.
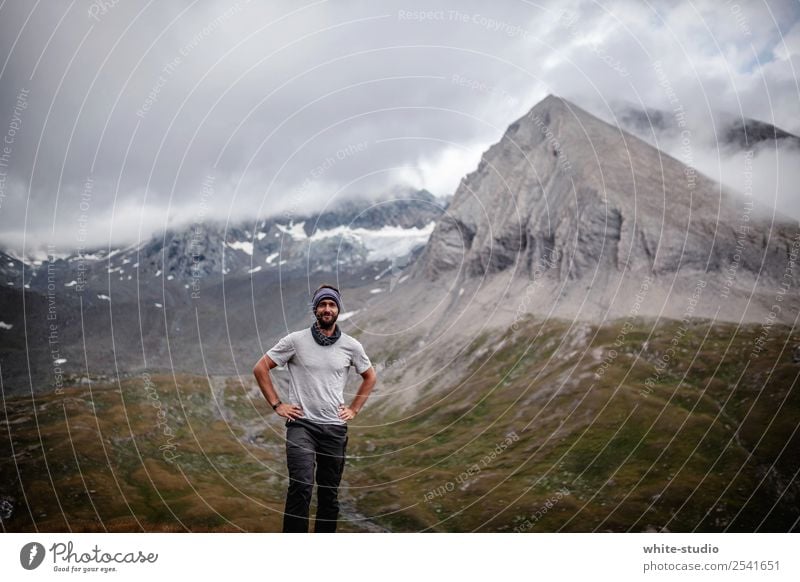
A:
(360, 359)
(283, 351)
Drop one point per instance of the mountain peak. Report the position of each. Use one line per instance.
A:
(550, 100)
(566, 196)
(544, 113)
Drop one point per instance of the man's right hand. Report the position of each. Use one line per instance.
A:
(290, 411)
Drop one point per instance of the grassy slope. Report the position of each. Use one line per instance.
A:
(606, 455)
(104, 453)
(592, 452)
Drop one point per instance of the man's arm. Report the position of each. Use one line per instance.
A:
(261, 372)
(369, 378)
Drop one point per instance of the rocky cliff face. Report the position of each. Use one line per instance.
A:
(566, 197)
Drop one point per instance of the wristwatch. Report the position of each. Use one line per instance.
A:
(276, 405)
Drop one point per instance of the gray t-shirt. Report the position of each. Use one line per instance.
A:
(318, 374)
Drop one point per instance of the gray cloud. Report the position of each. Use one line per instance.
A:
(290, 107)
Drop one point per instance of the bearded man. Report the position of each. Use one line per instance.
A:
(318, 360)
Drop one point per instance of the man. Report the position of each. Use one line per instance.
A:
(318, 360)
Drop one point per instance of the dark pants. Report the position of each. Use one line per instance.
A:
(309, 444)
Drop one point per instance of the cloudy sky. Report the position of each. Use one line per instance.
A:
(120, 118)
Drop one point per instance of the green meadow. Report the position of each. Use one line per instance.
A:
(549, 429)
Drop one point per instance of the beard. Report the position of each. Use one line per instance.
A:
(326, 322)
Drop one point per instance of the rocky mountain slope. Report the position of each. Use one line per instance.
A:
(569, 218)
(199, 297)
(591, 212)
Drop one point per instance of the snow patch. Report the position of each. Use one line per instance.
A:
(294, 230)
(88, 257)
(384, 243)
(244, 246)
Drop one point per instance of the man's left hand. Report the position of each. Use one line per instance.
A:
(346, 413)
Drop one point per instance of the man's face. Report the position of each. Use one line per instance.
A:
(327, 313)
